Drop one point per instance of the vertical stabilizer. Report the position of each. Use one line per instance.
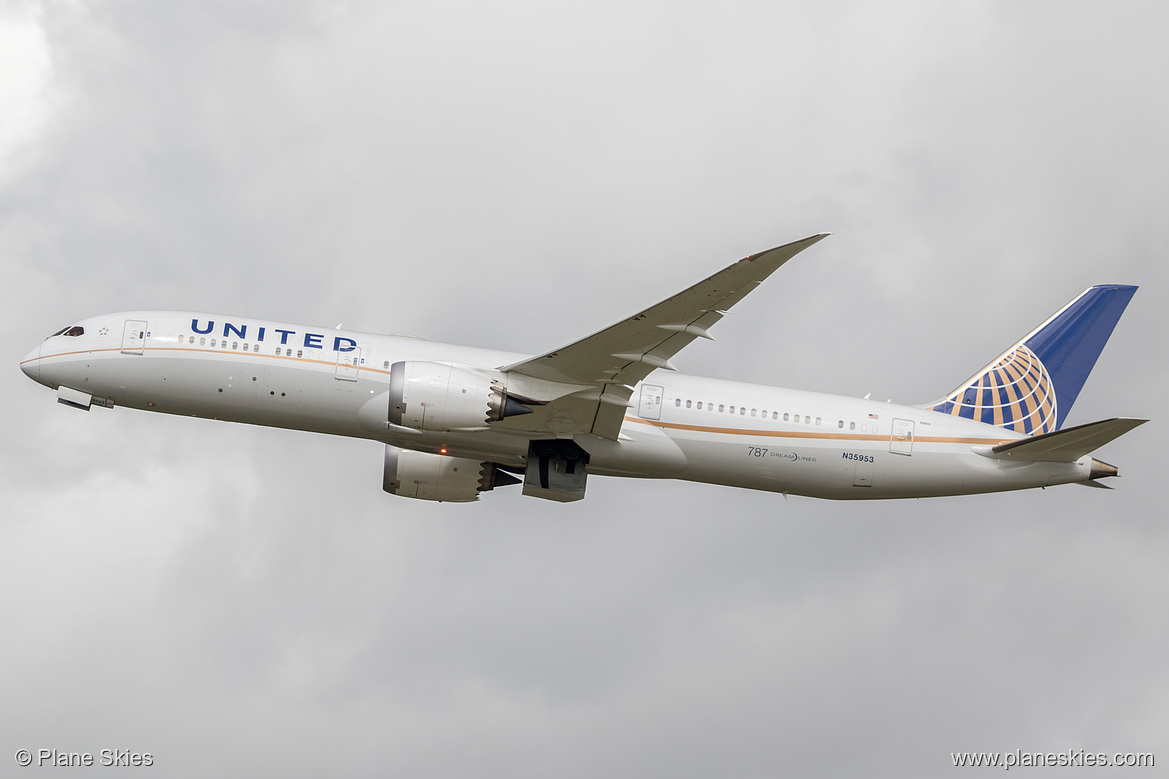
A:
(1031, 387)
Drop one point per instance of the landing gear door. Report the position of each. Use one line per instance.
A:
(650, 406)
(134, 336)
(901, 441)
(557, 470)
(348, 364)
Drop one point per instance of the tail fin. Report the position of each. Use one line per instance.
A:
(1031, 387)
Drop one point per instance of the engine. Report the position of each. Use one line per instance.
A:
(438, 477)
(439, 396)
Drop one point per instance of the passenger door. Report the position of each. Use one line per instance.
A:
(133, 336)
(650, 406)
(348, 364)
(901, 441)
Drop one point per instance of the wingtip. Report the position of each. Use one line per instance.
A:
(793, 248)
(810, 240)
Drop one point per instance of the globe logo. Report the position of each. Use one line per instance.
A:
(1016, 394)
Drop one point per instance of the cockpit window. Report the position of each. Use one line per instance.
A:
(73, 331)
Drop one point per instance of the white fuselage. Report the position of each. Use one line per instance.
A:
(706, 430)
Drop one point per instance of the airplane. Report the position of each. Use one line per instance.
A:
(458, 421)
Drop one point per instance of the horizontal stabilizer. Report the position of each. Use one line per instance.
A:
(1067, 445)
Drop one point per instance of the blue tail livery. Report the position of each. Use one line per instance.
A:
(1031, 387)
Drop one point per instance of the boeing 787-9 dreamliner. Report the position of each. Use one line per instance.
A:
(458, 421)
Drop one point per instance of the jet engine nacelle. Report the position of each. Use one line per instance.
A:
(438, 477)
(440, 396)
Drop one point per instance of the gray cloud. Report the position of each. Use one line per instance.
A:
(248, 600)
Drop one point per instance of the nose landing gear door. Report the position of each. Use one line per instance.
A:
(134, 336)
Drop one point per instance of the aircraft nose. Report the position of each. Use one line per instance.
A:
(31, 364)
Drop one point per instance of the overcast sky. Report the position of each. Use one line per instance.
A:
(244, 601)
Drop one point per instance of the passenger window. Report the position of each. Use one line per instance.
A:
(752, 412)
(677, 403)
(386, 365)
(732, 409)
(277, 351)
(775, 415)
(202, 341)
(742, 410)
(840, 424)
(255, 347)
(852, 425)
(234, 345)
(817, 420)
(300, 352)
(213, 342)
(807, 420)
(687, 404)
(191, 340)
(720, 408)
(785, 417)
(700, 405)
(796, 418)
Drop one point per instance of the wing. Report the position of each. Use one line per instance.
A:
(607, 364)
